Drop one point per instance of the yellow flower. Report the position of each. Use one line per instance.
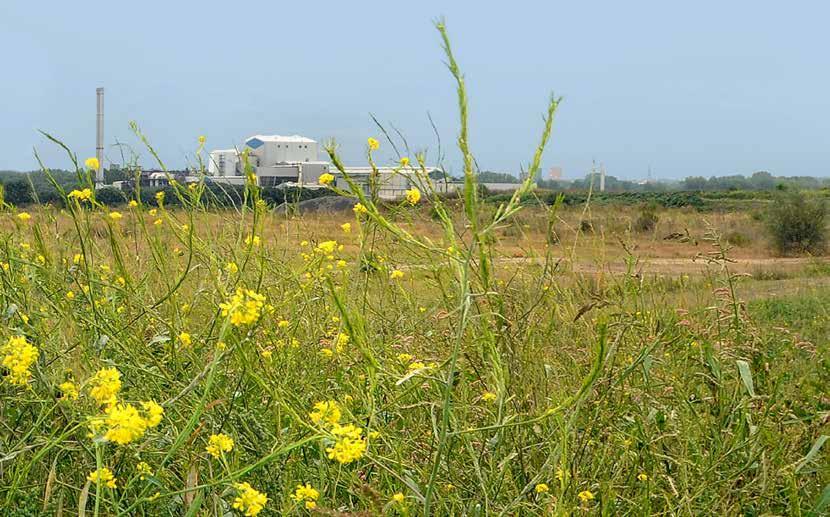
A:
(325, 179)
(398, 498)
(18, 357)
(413, 195)
(133, 203)
(642, 476)
(396, 274)
(542, 488)
(153, 413)
(249, 500)
(160, 197)
(283, 324)
(359, 209)
(185, 339)
(153, 211)
(105, 386)
(24, 216)
(92, 163)
(124, 424)
(70, 295)
(374, 145)
(143, 470)
(404, 161)
(244, 308)
(488, 396)
(255, 240)
(349, 444)
(69, 390)
(326, 247)
(219, 444)
(405, 358)
(231, 268)
(308, 494)
(102, 475)
(346, 227)
(202, 139)
(115, 216)
(585, 496)
(326, 412)
(81, 195)
(560, 474)
(157, 222)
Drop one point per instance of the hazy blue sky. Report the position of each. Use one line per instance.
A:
(706, 87)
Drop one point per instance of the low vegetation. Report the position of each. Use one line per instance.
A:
(177, 360)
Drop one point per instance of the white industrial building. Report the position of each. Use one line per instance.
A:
(292, 161)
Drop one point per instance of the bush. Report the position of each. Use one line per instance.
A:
(797, 224)
(647, 220)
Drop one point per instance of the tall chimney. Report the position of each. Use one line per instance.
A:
(99, 140)
(602, 177)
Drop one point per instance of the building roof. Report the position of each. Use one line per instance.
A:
(292, 139)
(223, 151)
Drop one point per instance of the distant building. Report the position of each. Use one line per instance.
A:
(555, 173)
(223, 162)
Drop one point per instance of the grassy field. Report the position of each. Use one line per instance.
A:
(428, 357)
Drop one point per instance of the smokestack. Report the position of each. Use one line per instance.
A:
(602, 177)
(99, 140)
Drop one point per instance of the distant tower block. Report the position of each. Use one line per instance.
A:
(555, 173)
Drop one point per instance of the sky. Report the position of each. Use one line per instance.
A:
(693, 88)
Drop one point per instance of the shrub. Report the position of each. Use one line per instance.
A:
(647, 220)
(797, 224)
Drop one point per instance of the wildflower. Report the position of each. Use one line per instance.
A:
(359, 209)
(283, 324)
(124, 424)
(160, 197)
(202, 139)
(346, 227)
(92, 163)
(231, 268)
(585, 496)
(327, 412)
(157, 222)
(18, 357)
(70, 295)
(115, 216)
(417, 365)
(218, 444)
(249, 500)
(542, 488)
(396, 274)
(326, 247)
(349, 444)
(153, 211)
(267, 354)
(404, 161)
(133, 203)
(105, 386)
(325, 179)
(374, 145)
(153, 413)
(413, 195)
(642, 476)
(560, 474)
(143, 470)
(405, 358)
(255, 240)
(24, 216)
(185, 339)
(102, 475)
(244, 308)
(68, 390)
(488, 396)
(308, 494)
(81, 195)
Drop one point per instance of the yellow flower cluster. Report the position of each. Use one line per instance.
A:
(413, 195)
(374, 145)
(143, 470)
(105, 386)
(326, 179)
(24, 216)
(349, 443)
(244, 308)
(18, 357)
(92, 163)
(69, 390)
(219, 444)
(102, 475)
(359, 209)
(327, 412)
(81, 195)
(308, 494)
(250, 500)
(125, 423)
